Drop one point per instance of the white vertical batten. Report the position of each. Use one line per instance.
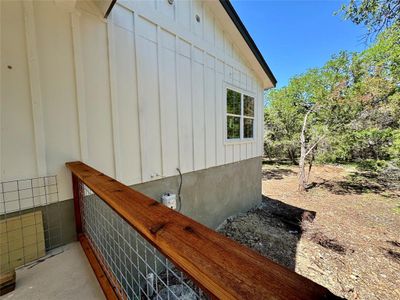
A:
(135, 42)
(191, 29)
(162, 142)
(215, 91)
(79, 85)
(261, 120)
(177, 96)
(258, 113)
(203, 21)
(35, 88)
(176, 13)
(192, 102)
(215, 110)
(258, 132)
(114, 100)
(204, 105)
(1, 101)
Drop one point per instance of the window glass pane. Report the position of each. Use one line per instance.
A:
(248, 106)
(247, 128)
(233, 127)
(233, 102)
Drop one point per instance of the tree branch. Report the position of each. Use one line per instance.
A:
(305, 120)
(313, 146)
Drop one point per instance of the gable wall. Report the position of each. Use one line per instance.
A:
(135, 96)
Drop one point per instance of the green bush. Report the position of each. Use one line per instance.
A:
(372, 165)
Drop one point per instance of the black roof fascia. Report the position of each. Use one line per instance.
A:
(110, 8)
(249, 40)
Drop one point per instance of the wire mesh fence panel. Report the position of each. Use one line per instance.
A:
(137, 248)
(18, 195)
(30, 220)
(136, 269)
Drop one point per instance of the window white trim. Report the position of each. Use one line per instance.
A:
(242, 92)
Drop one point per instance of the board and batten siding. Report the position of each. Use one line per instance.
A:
(136, 96)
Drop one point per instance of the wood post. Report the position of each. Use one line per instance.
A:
(78, 193)
(101, 276)
(221, 267)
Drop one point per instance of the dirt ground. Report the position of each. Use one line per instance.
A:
(344, 233)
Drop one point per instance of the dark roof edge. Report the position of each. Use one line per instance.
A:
(249, 40)
(110, 8)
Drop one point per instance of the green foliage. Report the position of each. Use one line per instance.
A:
(372, 165)
(376, 15)
(371, 143)
(384, 54)
(394, 149)
(283, 124)
(354, 101)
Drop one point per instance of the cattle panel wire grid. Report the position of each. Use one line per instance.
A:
(30, 219)
(135, 268)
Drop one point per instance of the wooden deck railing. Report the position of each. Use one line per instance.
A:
(223, 268)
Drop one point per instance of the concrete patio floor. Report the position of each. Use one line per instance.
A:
(65, 273)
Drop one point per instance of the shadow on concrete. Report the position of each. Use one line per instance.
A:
(273, 229)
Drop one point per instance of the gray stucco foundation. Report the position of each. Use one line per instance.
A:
(210, 196)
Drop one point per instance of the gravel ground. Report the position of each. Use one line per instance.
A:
(342, 234)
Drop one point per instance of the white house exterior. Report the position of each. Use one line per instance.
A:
(136, 95)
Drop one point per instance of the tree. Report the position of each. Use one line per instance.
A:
(346, 111)
(376, 15)
(282, 125)
(321, 93)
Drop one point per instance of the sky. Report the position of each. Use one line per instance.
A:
(296, 35)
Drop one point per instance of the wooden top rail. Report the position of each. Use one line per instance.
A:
(219, 265)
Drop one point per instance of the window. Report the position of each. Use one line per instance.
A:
(239, 115)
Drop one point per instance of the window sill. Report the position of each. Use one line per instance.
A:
(239, 141)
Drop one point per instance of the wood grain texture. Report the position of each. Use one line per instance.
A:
(222, 267)
(105, 284)
(77, 190)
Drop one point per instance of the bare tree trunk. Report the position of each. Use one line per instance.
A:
(266, 152)
(292, 156)
(310, 164)
(302, 175)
